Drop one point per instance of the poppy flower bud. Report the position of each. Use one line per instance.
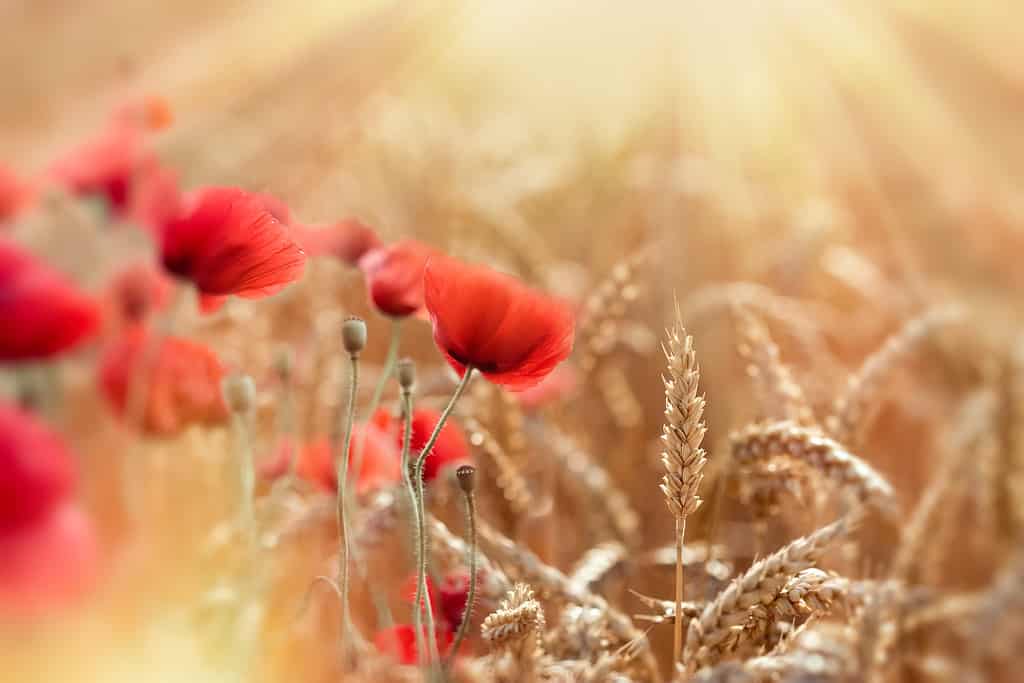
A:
(353, 335)
(406, 374)
(466, 474)
(239, 393)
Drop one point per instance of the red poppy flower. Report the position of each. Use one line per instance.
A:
(512, 334)
(36, 470)
(48, 564)
(137, 290)
(41, 313)
(560, 384)
(400, 642)
(451, 447)
(156, 199)
(275, 207)
(394, 276)
(15, 194)
(105, 165)
(228, 243)
(181, 383)
(347, 240)
(381, 465)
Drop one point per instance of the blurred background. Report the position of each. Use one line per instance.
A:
(861, 157)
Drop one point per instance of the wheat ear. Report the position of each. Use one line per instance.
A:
(682, 455)
(760, 442)
(854, 408)
(715, 633)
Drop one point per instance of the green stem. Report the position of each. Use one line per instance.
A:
(417, 614)
(243, 449)
(421, 555)
(341, 466)
(380, 602)
(378, 391)
(467, 613)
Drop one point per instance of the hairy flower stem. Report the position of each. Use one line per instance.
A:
(243, 441)
(341, 459)
(677, 641)
(421, 550)
(417, 614)
(467, 613)
(378, 391)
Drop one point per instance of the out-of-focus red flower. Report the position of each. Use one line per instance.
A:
(179, 381)
(49, 564)
(228, 243)
(36, 470)
(560, 384)
(511, 333)
(347, 240)
(452, 597)
(104, 165)
(450, 449)
(16, 194)
(156, 199)
(400, 642)
(41, 313)
(380, 467)
(137, 290)
(394, 276)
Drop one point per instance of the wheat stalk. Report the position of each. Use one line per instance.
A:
(682, 456)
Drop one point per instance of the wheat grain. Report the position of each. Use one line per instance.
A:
(596, 564)
(781, 397)
(553, 584)
(759, 442)
(719, 628)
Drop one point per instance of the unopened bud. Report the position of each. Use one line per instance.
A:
(284, 362)
(239, 393)
(466, 474)
(406, 373)
(353, 335)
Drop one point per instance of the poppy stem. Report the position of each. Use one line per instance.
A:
(239, 395)
(341, 459)
(422, 550)
(417, 614)
(467, 482)
(378, 391)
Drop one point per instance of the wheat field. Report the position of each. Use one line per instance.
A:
(788, 444)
